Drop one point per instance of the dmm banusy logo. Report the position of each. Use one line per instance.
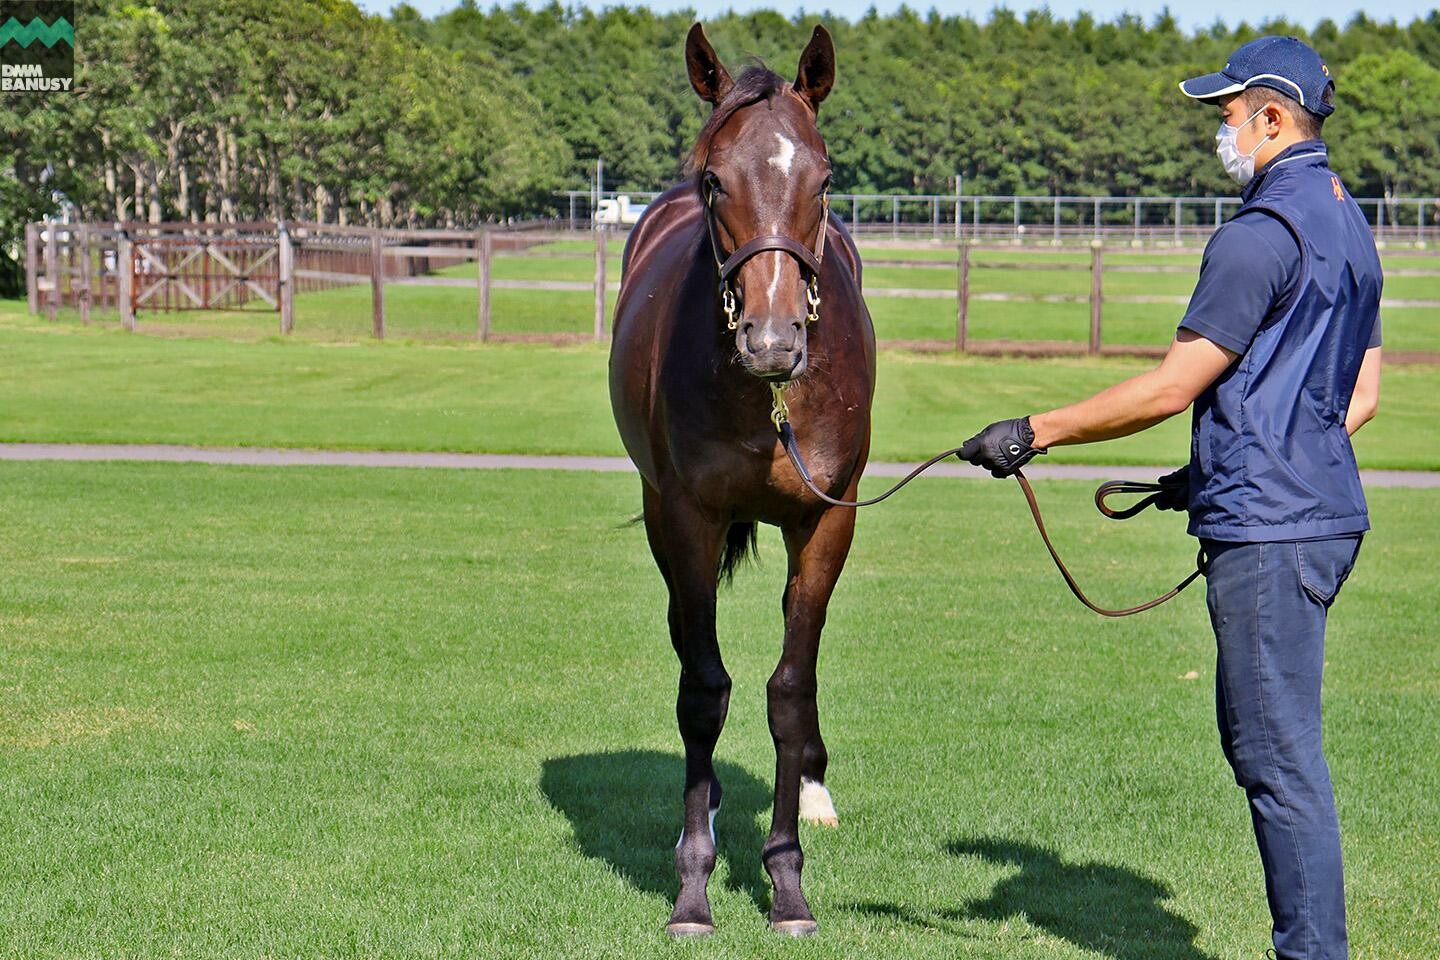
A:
(37, 46)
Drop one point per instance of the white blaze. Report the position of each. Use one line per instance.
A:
(775, 277)
(781, 160)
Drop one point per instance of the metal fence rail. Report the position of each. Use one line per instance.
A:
(1055, 219)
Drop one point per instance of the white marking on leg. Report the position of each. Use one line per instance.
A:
(782, 159)
(712, 830)
(815, 803)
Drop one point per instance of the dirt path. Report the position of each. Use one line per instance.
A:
(270, 457)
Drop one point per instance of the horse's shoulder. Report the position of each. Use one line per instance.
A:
(678, 208)
(839, 237)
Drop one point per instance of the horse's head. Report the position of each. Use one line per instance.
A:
(763, 172)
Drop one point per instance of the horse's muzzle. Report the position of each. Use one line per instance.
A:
(774, 350)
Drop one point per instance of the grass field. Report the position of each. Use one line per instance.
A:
(256, 712)
(70, 384)
(342, 713)
(428, 312)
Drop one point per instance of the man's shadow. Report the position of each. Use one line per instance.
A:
(1100, 907)
(1097, 906)
(626, 810)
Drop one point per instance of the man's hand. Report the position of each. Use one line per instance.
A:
(1002, 448)
(1176, 495)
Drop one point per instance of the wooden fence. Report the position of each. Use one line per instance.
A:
(179, 266)
(192, 266)
(1096, 298)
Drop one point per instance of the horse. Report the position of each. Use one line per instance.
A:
(726, 292)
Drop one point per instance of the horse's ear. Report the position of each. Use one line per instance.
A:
(817, 68)
(707, 74)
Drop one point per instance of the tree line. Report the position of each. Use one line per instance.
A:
(238, 110)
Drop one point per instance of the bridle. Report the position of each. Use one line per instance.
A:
(729, 266)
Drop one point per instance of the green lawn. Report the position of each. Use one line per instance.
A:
(69, 384)
(388, 713)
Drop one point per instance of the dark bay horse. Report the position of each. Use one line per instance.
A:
(690, 386)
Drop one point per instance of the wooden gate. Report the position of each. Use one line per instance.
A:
(205, 270)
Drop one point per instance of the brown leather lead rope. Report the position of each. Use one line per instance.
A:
(1105, 490)
(1117, 486)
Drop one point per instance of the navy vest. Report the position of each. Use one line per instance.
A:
(1270, 459)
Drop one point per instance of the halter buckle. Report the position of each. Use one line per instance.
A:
(727, 304)
(812, 299)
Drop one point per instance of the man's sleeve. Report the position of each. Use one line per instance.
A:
(1374, 335)
(1242, 277)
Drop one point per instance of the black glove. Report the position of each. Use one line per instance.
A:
(1176, 495)
(1002, 448)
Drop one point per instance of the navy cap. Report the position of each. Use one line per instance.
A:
(1286, 64)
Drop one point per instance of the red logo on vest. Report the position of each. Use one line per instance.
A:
(1338, 190)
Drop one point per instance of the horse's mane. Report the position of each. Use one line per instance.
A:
(757, 83)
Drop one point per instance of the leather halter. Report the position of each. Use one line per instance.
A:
(729, 266)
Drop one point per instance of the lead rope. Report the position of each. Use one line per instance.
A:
(780, 416)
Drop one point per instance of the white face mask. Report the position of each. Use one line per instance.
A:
(1240, 166)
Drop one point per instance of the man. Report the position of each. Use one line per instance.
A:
(1279, 351)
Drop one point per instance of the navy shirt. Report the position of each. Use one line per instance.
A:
(1247, 280)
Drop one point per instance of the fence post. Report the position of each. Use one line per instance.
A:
(125, 279)
(52, 271)
(32, 267)
(962, 296)
(482, 259)
(1097, 270)
(377, 284)
(599, 284)
(84, 296)
(959, 216)
(286, 254)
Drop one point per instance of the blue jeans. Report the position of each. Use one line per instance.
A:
(1268, 603)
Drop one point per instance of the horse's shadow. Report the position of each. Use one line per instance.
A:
(1097, 906)
(610, 801)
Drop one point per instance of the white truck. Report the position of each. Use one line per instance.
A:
(618, 211)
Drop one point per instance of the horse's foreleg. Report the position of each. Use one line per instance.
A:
(816, 806)
(687, 549)
(817, 554)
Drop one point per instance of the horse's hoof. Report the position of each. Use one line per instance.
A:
(682, 931)
(795, 928)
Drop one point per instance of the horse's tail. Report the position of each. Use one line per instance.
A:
(740, 545)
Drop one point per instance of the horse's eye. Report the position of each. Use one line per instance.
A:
(712, 183)
(824, 185)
